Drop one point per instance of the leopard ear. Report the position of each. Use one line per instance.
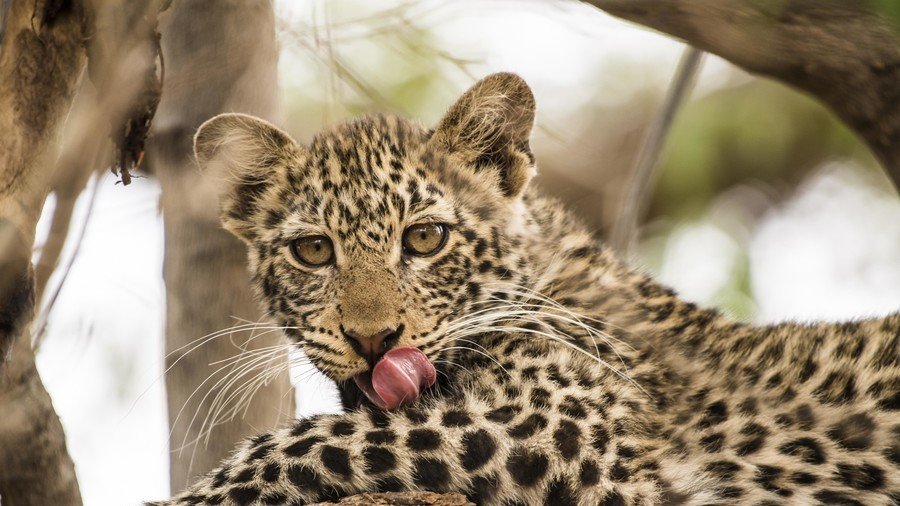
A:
(248, 156)
(488, 129)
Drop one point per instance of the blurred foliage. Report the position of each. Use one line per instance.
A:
(733, 152)
(759, 131)
(731, 155)
(358, 58)
(890, 9)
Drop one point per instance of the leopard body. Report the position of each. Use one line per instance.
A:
(565, 376)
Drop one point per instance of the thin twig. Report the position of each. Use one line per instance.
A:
(41, 322)
(67, 189)
(639, 189)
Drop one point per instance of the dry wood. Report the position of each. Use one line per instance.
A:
(845, 52)
(402, 499)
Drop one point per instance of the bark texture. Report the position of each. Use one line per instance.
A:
(219, 57)
(845, 52)
(41, 59)
(402, 499)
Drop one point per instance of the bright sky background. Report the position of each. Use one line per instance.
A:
(830, 252)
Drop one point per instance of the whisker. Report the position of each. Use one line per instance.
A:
(236, 369)
(479, 352)
(564, 342)
(264, 358)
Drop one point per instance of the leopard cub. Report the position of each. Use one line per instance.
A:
(485, 343)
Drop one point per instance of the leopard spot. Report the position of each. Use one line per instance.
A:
(554, 375)
(477, 449)
(599, 438)
(484, 489)
(415, 415)
(302, 447)
(573, 407)
(303, 426)
(342, 428)
(390, 484)
(805, 417)
(243, 494)
(750, 446)
(271, 472)
(431, 474)
(835, 497)
(540, 398)
(337, 460)
(244, 475)
(619, 472)
(854, 432)
(378, 460)
(589, 474)
(614, 498)
(528, 427)
(303, 477)
(260, 452)
(456, 418)
(806, 448)
(423, 440)
(379, 419)
(559, 493)
(381, 437)
(714, 414)
(860, 476)
(730, 492)
(838, 387)
(214, 499)
(724, 469)
(804, 478)
(221, 477)
(526, 467)
(567, 437)
(274, 499)
(713, 442)
(748, 406)
(503, 414)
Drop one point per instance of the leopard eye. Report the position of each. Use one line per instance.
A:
(424, 239)
(313, 251)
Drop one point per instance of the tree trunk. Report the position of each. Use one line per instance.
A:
(41, 59)
(219, 57)
(844, 52)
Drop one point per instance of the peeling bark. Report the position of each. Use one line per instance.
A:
(41, 59)
(219, 58)
(843, 52)
(402, 499)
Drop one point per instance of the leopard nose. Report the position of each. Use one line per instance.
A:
(372, 347)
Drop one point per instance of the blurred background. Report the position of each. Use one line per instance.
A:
(766, 206)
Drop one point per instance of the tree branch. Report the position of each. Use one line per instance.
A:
(845, 52)
(41, 59)
(402, 499)
(639, 190)
(77, 160)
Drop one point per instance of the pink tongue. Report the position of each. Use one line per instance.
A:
(397, 378)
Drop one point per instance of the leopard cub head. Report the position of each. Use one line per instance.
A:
(380, 233)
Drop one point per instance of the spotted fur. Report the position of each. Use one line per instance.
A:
(565, 376)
